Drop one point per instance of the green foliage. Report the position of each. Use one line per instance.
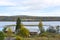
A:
(19, 38)
(51, 29)
(40, 24)
(57, 29)
(41, 27)
(24, 32)
(44, 34)
(9, 32)
(21, 30)
(47, 34)
(18, 24)
(4, 29)
(1, 35)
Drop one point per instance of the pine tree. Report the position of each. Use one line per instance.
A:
(18, 24)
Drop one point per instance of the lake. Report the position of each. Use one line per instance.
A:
(46, 23)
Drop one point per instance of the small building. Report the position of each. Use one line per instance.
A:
(32, 30)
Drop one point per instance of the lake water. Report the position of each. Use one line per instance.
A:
(46, 23)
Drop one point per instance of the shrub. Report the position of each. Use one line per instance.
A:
(18, 38)
(51, 29)
(4, 29)
(9, 32)
(24, 32)
(41, 27)
(1, 35)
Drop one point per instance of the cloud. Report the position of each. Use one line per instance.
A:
(6, 3)
(30, 7)
(5, 14)
(41, 3)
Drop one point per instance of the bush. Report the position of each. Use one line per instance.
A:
(1, 35)
(24, 32)
(9, 32)
(51, 30)
(47, 34)
(41, 27)
(18, 38)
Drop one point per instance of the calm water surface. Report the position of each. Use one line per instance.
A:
(51, 23)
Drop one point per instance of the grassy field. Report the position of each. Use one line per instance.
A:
(41, 38)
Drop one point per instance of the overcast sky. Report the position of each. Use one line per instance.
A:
(30, 7)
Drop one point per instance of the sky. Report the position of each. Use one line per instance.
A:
(30, 7)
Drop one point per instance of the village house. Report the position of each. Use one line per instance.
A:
(32, 30)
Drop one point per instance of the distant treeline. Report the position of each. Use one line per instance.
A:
(28, 18)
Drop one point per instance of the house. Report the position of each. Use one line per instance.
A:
(32, 30)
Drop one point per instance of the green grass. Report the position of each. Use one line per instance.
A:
(41, 38)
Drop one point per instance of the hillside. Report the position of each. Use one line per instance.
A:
(28, 18)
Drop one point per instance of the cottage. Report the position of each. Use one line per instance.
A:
(32, 30)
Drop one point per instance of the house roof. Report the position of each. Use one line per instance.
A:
(31, 29)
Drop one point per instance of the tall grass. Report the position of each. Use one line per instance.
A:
(41, 38)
